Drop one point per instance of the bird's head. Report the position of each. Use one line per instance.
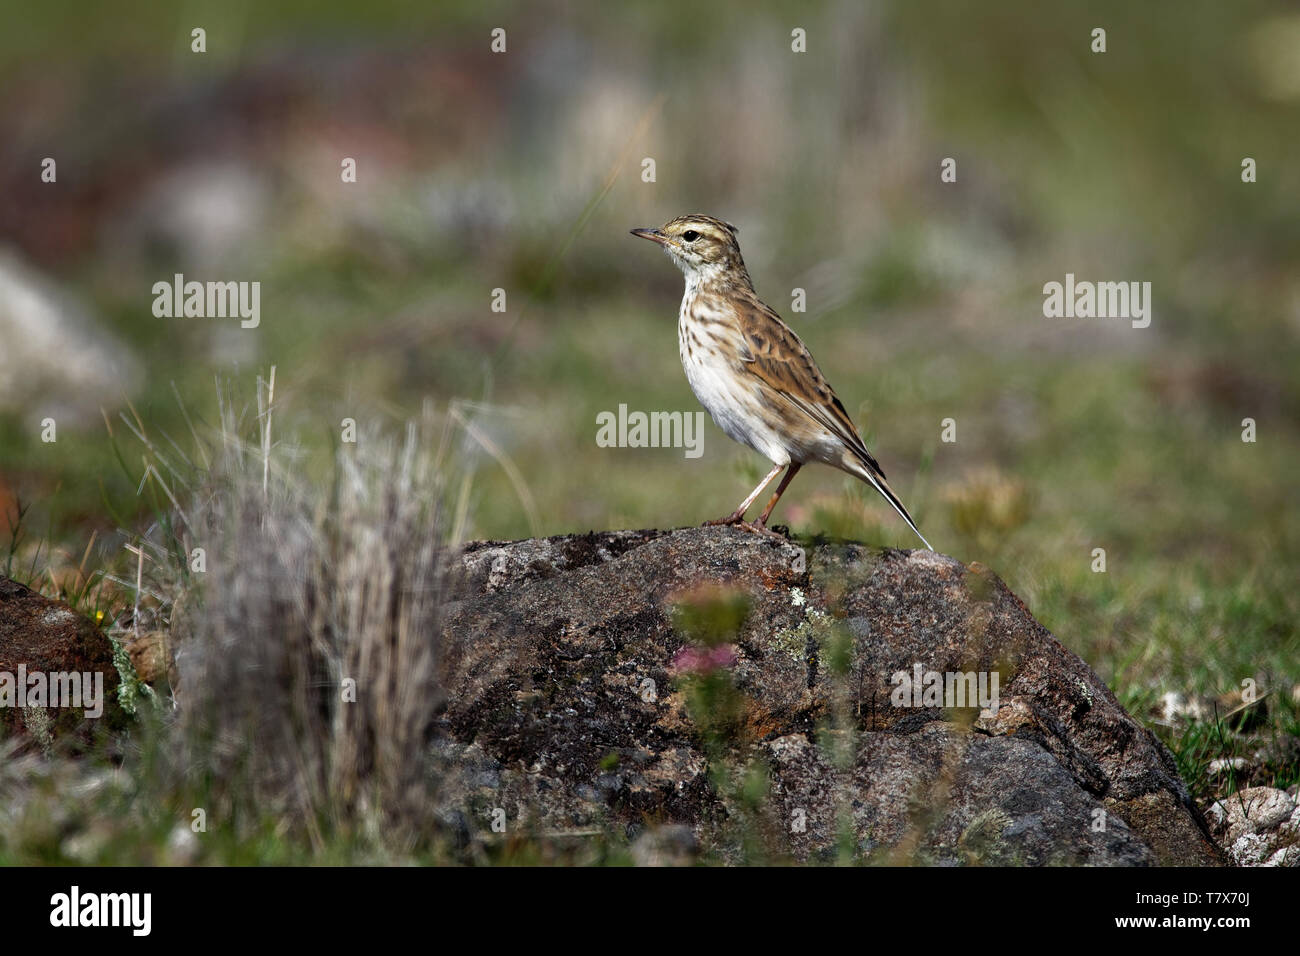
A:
(702, 247)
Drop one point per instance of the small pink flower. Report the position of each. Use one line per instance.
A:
(703, 660)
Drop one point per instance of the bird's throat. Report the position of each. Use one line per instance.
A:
(717, 280)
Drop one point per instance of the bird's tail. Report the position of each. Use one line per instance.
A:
(876, 479)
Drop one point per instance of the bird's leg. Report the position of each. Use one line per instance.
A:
(780, 490)
(738, 516)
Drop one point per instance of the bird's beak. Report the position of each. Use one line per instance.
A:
(654, 235)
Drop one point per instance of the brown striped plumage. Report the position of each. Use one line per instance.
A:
(752, 373)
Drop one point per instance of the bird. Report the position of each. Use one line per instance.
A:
(753, 374)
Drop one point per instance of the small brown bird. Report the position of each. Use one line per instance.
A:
(751, 372)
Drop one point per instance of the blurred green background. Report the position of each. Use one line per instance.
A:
(522, 170)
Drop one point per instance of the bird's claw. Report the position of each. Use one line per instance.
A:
(757, 527)
(734, 518)
(738, 521)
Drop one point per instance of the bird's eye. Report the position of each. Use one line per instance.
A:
(690, 235)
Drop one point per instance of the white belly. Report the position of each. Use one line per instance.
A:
(734, 406)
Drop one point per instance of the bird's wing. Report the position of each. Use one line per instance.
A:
(776, 356)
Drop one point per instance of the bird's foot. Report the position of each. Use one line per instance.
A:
(758, 527)
(736, 517)
(737, 520)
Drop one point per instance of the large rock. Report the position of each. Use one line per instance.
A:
(40, 636)
(564, 710)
